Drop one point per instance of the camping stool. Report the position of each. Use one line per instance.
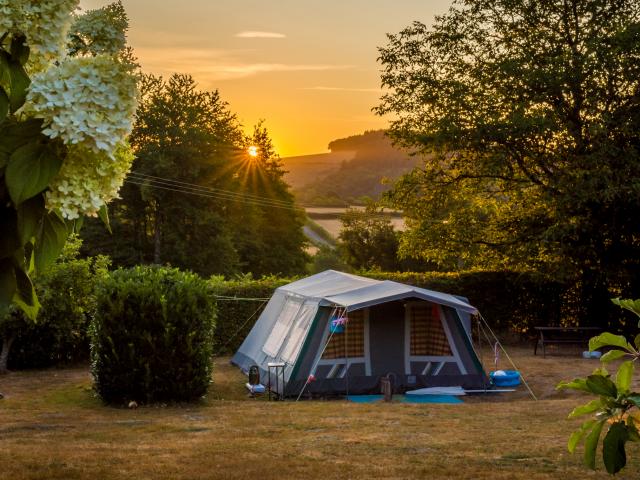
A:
(278, 370)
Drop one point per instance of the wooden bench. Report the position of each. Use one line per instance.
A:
(563, 336)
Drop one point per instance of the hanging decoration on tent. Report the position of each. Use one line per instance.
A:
(336, 325)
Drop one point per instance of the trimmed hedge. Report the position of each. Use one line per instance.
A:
(509, 301)
(152, 336)
(235, 318)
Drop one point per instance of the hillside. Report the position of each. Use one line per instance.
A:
(355, 168)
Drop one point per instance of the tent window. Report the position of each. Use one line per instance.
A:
(281, 327)
(298, 332)
(353, 339)
(427, 334)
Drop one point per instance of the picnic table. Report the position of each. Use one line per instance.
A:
(563, 336)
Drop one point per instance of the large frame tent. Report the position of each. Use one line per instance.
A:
(419, 338)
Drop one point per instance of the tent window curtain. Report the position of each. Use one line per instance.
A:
(281, 327)
(427, 334)
(353, 337)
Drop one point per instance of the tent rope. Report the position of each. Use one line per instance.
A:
(240, 328)
(334, 312)
(508, 357)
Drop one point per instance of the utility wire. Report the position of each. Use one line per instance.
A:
(206, 189)
(211, 195)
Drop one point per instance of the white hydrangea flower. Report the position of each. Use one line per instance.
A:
(85, 100)
(88, 180)
(45, 23)
(100, 31)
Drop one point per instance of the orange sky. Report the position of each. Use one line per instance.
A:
(307, 67)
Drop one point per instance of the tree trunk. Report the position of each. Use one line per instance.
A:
(157, 237)
(4, 354)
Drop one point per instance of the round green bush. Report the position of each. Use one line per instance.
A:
(152, 336)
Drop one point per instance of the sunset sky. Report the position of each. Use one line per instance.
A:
(307, 67)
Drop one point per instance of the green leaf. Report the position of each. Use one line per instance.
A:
(613, 452)
(601, 386)
(30, 170)
(576, 436)
(631, 305)
(636, 341)
(624, 376)
(50, 241)
(7, 284)
(30, 215)
(590, 445)
(608, 339)
(19, 84)
(613, 355)
(25, 296)
(5, 77)
(4, 104)
(590, 407)
(632, 430)
(635, 399)
(103, 213)
(19, 49)
(576, 384)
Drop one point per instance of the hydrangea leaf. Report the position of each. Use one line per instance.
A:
(624, 376)
(25, 296)
(4, 104)
(30, 169)
(19, 85)
(29, 216)
(50, 241)
(19, 49)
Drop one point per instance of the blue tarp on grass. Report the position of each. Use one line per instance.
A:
(406, 398)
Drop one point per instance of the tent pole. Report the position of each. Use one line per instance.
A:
(346, 354)
(313, 368)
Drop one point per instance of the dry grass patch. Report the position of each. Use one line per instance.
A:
(51, 426)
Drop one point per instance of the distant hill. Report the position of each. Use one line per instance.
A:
(354, 169)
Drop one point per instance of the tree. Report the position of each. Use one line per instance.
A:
(528, 114)
(368, 240)
(64, 120)
(195, 198)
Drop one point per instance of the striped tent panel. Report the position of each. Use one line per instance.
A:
(427, 335)
(352, 339)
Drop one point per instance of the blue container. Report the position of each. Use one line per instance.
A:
(336, 326)
(511, 378)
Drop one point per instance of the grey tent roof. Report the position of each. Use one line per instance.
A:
(353, 292)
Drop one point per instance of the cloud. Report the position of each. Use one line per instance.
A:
(215, 64)
(254, 34)
(343, 89)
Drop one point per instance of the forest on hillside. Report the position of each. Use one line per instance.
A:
(369, 165)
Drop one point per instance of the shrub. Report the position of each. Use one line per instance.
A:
(59, 334)
(152, 336)
(236, 317)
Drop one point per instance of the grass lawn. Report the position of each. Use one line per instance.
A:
(52, 426)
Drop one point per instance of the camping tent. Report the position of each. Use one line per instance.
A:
(416, 336)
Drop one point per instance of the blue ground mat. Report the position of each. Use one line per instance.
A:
(406, 398)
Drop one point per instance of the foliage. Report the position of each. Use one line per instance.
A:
(617, 406)
(328, 258)
(239, 304)
(66, 290)
(527, 116)
(195, 199)
(368, 240)
(63, 124)
(152, 337)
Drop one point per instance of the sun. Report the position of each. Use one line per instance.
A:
(252, 151)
